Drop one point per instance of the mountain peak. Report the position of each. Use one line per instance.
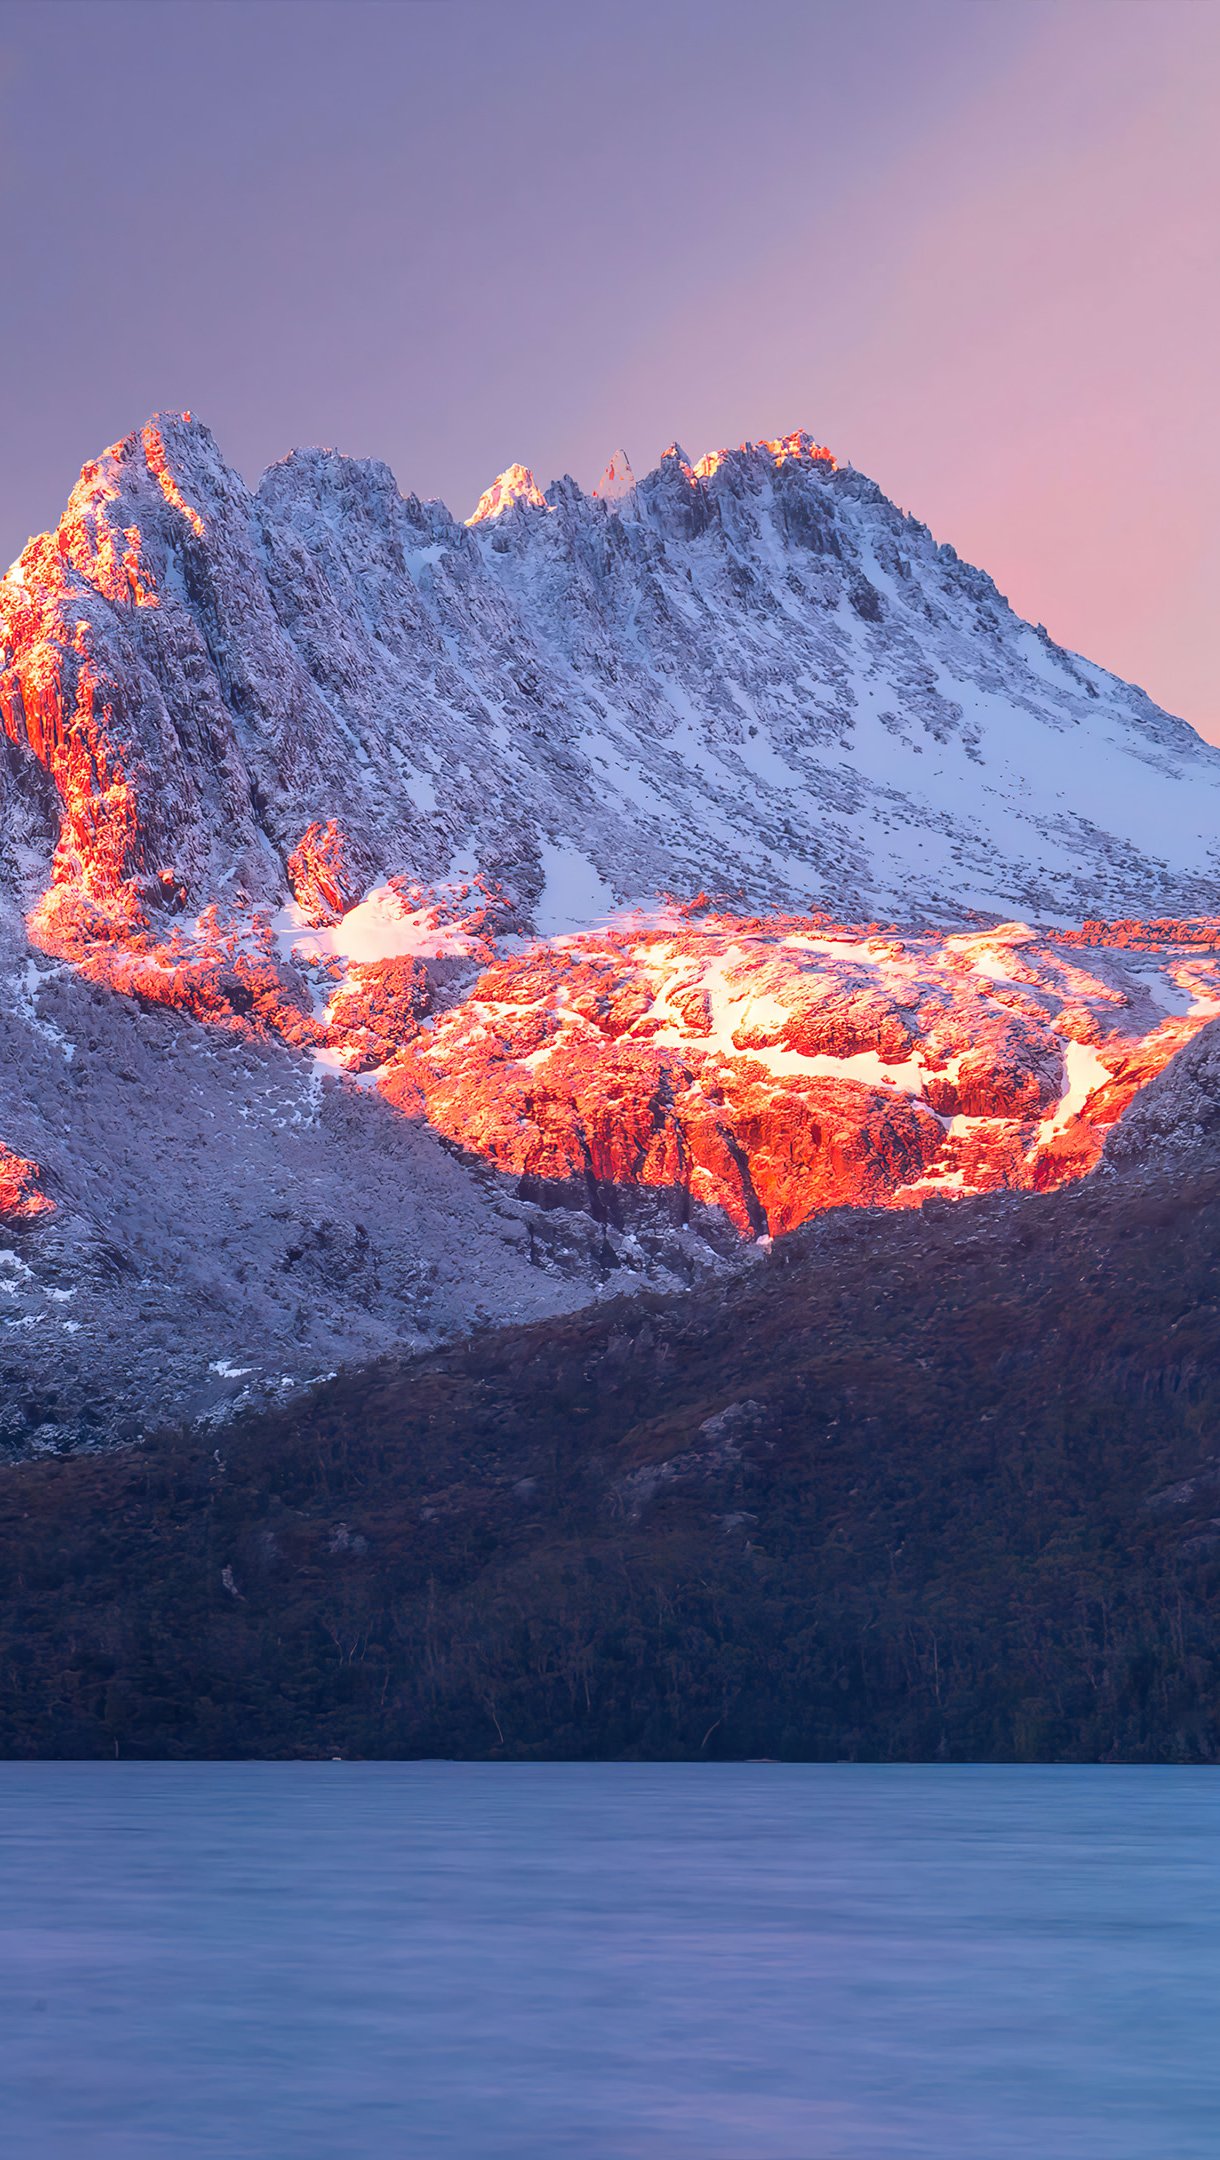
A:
(617, 480)
(804, 604)
(516, 484)
(799, 448)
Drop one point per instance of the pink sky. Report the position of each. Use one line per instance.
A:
(1015, 328)
(972, 247)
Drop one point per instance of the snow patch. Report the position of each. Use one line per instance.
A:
(574, 894)
(1084, 1071)
(380, 927)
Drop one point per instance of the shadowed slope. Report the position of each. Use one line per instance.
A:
(936, 1484)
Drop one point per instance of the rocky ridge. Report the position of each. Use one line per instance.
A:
(752, 672)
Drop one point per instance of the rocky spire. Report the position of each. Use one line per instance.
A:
(516, 484)
(617, 480)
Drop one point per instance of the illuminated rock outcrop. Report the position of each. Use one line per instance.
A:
(21, 1196)
(513, 489)
(757, 1068)
(774, 1069)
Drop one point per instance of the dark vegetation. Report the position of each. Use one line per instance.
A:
(939, 1485)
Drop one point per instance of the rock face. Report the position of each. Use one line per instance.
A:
(748, 674)
(1177, 1110)
(232, 1219)
(21, 1196)
(773, 1068)
(358, 973)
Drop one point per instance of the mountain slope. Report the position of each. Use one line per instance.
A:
(938, 1484)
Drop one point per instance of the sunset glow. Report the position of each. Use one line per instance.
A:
(764, 1067)
(984, 275)
(609, 1079)
(761, 1067)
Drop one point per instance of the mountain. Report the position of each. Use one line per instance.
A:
(752, 672)
(936, 1484)
(618, 480)
(407, 924)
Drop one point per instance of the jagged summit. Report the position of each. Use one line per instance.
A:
(761, 676)
(617, 481)
(515, 485)
(797, 448)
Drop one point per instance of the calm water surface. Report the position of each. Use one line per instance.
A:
(302, 1962)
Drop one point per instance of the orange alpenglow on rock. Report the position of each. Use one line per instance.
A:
(773, 1068)
(158, 464)
(326, 873)
(21, 1194)
(618, 479)
(514, 487)
(797, 448)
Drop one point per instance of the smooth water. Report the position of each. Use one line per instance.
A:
(760, 1962)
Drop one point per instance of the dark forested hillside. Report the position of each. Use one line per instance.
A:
(943, 1484)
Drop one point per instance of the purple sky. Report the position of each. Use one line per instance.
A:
(972, 247)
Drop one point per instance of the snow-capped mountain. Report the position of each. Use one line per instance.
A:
(752, 673)
(359, 977)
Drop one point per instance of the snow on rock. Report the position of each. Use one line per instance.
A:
(384, 925)
(573, 894)
(217, 1198)
(511, 488)
(751, 675)
(760, 1069)
(618, 479)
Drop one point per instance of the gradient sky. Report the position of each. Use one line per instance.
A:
(973, 247)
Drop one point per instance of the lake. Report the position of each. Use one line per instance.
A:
(608, 1962)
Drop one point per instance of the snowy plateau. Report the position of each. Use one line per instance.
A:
(410, 924)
